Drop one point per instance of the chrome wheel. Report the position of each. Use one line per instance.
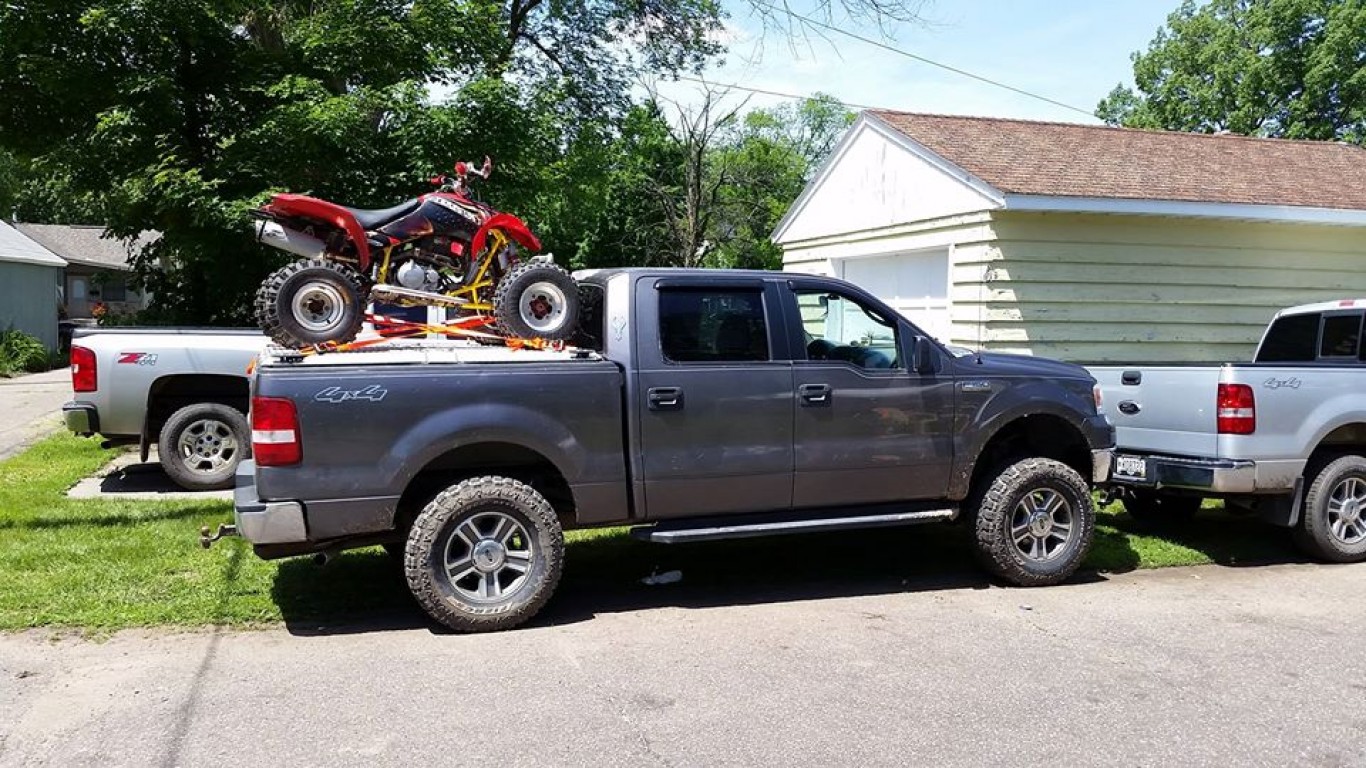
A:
(1345, 503)
(207, 445)
(319, 306)
(542, 306)
(488, 558)
(1042, 525)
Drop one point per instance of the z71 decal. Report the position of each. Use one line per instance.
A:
(137, 358)
(374, 393)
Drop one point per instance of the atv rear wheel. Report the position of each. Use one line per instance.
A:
(537, 300)
(311, 302)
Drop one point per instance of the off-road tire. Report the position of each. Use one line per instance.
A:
(209, 421)
(275, 303)
(424, 562)
(507, 301)
(1161, 510)
(1313, 535)
(993, 506)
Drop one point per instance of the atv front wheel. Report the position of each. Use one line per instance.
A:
(311, 302)
(537, 300)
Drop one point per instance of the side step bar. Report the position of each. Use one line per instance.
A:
(722, 528)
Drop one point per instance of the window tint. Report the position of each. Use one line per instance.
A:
(1291, 339)
(837, 327)
(1341, 334)
(712, 325)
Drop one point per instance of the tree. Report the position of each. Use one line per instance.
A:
(1287, 68)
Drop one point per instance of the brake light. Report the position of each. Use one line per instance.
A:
(275, 439)
(83, 372)
(1237, 414)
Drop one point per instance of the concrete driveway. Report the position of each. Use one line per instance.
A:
(32, 407)
(1205, 666)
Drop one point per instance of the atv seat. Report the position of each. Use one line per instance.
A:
(375, 219)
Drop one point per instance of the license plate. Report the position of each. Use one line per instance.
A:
(1133, 467)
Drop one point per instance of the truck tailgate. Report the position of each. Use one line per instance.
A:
(1162, 409)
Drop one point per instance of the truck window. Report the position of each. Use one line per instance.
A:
(837, 327)
(712, 324)
(1341, 336)
(1291, 339)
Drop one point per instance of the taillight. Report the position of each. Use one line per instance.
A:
(83, 374)
(1098, 398)
(275, 440)
(1237, 412)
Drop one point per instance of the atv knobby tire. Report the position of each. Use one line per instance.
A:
(1018, 517)
(485, 554)
(537, 300)
(311, 302)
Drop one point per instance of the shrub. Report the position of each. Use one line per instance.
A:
(20, 352)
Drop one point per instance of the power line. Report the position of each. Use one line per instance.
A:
(765, 92)
(921, 59)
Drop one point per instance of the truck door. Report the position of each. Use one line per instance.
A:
(868, 428)
(714, 400)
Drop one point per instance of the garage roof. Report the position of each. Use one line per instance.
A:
(1024, 157)
(16, 247)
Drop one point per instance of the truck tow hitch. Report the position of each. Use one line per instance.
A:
(224, 531)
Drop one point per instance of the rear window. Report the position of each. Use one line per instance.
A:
(1341, 336)
(1291, 339)
(712, 325)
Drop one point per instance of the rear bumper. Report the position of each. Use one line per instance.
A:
(81, 418)
(265, 522)
(1208, 475)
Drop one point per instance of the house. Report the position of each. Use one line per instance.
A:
(30, 286)
(98, 268)
(1087, 243)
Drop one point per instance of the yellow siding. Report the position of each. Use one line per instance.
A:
(1110, 288)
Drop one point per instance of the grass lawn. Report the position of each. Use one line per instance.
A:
(105, 565)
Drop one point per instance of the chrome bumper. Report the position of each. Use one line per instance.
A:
(1209, 475)
(265, 522)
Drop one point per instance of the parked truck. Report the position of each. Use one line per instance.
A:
(184, 390)
(694, 405)
(1283, 436)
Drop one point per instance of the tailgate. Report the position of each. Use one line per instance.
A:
(1162, 409)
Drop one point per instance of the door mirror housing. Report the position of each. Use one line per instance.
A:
(924, 359)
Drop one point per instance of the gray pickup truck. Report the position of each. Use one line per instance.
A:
(694, 405)
(1283, 436)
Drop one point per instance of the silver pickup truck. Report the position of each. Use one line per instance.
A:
(1283, 436)
(184, 389)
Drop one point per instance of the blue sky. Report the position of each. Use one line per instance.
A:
(1073, 51)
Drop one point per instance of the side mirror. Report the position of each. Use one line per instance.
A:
(924, 361)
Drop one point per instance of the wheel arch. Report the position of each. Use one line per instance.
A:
(486, 457)
(170, 393)
(1041, 435)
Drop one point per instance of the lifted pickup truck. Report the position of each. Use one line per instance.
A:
(184, 389)
(698, 405)
(1283, 436)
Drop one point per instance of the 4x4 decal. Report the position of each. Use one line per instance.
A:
(374, 393)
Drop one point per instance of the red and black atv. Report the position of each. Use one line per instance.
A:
(442, 249)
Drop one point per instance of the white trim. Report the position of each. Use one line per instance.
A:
(866, 122)
(1250, 211)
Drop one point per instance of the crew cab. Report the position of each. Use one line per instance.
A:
(183, 389)
(693, 405)
(1283, 436)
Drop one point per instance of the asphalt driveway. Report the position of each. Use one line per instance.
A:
(1210, 665)
(31, 406)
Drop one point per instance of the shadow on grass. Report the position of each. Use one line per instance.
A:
(365, 591)
(1224, 538)
(93, 516)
